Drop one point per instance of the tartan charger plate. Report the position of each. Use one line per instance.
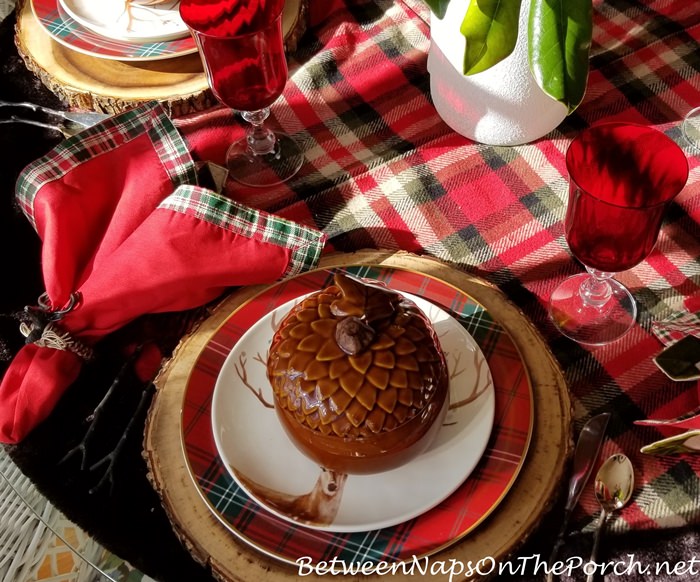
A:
(70, 33)
(443, 525)
(255, 449)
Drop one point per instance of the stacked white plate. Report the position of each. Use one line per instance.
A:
(268, 467)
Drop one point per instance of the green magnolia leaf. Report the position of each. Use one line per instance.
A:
(688, 442)
(438, 7)
(491, 30)
(559, 41)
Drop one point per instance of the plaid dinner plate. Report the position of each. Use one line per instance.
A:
(67, 31)
(430, 532)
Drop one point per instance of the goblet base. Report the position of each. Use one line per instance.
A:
(590, 324)
(264, 169)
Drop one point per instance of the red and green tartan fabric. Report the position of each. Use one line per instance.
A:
(383, 170)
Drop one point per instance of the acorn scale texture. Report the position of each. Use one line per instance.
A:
(398, 370)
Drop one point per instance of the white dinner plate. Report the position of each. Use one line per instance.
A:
(255, 449)
(129, 20)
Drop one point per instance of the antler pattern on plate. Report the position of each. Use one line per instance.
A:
(242, 372)
(482, 382)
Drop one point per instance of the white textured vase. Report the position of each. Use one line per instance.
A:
(500, 106)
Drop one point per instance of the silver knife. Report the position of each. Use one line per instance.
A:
(586, 454)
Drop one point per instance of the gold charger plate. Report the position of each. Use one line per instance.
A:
(502, 533)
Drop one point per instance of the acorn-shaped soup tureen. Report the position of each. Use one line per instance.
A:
(359, 379)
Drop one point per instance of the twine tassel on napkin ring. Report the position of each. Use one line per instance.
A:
(41, 327)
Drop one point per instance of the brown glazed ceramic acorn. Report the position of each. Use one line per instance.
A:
(359, 379)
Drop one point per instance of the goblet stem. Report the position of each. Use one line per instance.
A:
(265, 157)
(261, 140)
(596, 290)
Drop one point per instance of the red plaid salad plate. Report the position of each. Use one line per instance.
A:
(271, 470)
(448, 521)
(69, 32)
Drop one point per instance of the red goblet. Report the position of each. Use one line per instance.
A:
(622, 177)
(242, 48)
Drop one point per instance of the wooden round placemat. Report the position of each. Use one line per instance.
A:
(88, 82)
(503, 532)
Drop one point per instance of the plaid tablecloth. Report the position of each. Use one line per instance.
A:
(383, 170)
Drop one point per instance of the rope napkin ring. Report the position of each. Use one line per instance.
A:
(42, 327)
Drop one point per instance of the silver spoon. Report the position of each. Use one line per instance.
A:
(614, 484)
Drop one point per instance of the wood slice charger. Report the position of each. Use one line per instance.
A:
(502, 533)
(88, 82)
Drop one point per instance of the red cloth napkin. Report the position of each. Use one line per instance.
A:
(124, 225)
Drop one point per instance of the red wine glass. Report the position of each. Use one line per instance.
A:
(622, 177)
(242, 49)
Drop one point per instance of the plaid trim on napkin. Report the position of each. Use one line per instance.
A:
(102, 139)
(305, 244)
